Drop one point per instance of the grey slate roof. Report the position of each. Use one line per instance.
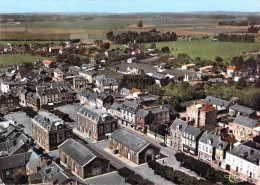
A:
(78, 152)
(106, 81)
(248, 122)
(14, 161)
(129, 140)
(216, 80)
(215, 140)
(125, 91)
(242, 109)
(217, 101)
(247, 153)
(97, 115)
(142, 113)
(159, 76)
(115, 106)
(178, 122)
(193, 131)
(129, 106)
(48, 120)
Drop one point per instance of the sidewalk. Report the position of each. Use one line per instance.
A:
(83, 136)
(121, 158)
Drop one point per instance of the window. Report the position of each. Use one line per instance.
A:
(101, 129)
(108, 128)
(7, 172)
(94, 128)
(19, 170)
(60, 137)
(114, 126)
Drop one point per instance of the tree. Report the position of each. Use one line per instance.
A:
(153, 46)
(140, 24)
(242, 82)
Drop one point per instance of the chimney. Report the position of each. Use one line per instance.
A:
(52, 181)
(49, 161)
(68, 171)
(207, 132)
(219, 137)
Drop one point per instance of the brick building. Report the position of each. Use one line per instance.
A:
(202, 114)
(133, 147)
(79, 83)
(9, 101)
(49, 131)
(14, 165)
(95, 123)
(83, 161)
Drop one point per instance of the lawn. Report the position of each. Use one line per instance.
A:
(206, 49)
(6, 60)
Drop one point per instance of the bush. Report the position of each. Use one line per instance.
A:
(176, 177)
(133, 178)
(204, 169)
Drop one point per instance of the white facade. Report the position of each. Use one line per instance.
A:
(5, 87)
(243, 166)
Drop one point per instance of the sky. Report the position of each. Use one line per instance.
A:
(127, 6)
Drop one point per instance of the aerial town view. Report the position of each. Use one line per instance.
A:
(135, 92)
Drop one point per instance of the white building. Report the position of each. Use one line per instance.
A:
(243, 161)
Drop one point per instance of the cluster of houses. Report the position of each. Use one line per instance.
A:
(231, 145)
(220, 132)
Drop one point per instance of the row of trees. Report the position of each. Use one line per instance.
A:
(175, 176)
(143, 37)
(236, 38)
(205, 170)
(253, 29)
(234, 23)
(133, 178)
(137, 81)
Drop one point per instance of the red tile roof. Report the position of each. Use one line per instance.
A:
(231, 67)
(46, 61)
(57, 47)
(204, 106)
(133, 90)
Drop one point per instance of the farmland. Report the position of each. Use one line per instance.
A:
(34, 36)
(6, 60)
(206, 49)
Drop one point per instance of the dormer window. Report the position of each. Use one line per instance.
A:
(209, 142)
(193, 138)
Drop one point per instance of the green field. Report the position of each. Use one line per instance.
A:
(96, 24)
(26, 35)
(29, 42)
(206, 49)
(97, 37)
(6, 60)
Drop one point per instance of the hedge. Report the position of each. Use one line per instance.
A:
(205, 170)
(133, 178)
(175, 176)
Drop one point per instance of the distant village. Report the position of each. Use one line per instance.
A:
(65, 123)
